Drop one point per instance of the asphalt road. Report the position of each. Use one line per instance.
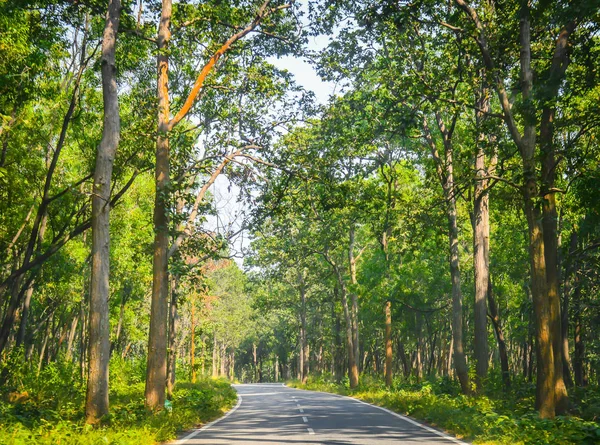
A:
(274, 414)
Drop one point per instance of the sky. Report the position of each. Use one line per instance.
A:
(225, 194)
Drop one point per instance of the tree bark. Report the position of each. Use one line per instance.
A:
(481, 252)
(156, 373)
(172, 347)
(445, 171)
(72, 332)
(303, 342)
(193, 341)
(579, 346)
(495, 318)
(214, 357)
(96, 405)
(353, 295)
(388, 343)
(569, 280)
(352, 367)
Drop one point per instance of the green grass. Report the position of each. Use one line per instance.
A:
(499, 418)
(49, 409)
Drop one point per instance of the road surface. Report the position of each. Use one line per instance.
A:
(274, 414)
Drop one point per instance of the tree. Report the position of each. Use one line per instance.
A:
(97, 393)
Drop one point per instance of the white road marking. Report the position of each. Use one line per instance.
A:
(261, 394)
(399, 416)
(208, 425)
(301, 410)
(310, 431)
(304, 419)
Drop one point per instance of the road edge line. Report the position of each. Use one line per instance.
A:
(197, 431)
(395, 414)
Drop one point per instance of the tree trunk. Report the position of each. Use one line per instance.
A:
(172, 347)
(303, 342)
(579, 356)
(353, 293)
(352, 367)
(481, 252)
(156, 373)
(337, 354)
(404, 359)
(214, 357)
(255, 362)
(193, 342)
(72, 332)
(45, 343)
(445, 171)
(570, 274)
(495, 318)
(388, 343)
(25, 315)
(124, 296)
(96, 405)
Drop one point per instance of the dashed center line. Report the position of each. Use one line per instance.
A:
(300, 409)
(310, 431)
(304, 419)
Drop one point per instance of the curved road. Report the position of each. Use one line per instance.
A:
(274, 414)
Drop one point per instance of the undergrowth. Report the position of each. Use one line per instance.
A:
(497, 418)
(49, 408)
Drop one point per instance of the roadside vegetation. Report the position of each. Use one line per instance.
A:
(47, 408)
(495, 418)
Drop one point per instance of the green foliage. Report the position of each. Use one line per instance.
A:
(486, 420)
(48, 408)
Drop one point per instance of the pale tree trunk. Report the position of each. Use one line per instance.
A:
(352, 367)
(223, 356)
(124, 297)
(403, 359)
(353, 295)
(495, 318)
(481, 245)
(460, 362)
(445, 171)
(579, 345)
(72, 332)
(96, 405)
(193, 342)
(388, 343)
(214, 357)
(172, 347)
(303, 342)
(45, 343)
(156, 373)
(255, 362)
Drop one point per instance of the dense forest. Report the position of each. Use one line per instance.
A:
(429, 235)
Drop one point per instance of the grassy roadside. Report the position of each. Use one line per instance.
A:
(483, 420)
(49, 409)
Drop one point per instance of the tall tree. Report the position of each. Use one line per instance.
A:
(96, 405)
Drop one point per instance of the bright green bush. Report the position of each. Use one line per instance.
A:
(498, 418)
(49, 408)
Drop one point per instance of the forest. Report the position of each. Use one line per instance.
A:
(178, 212)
